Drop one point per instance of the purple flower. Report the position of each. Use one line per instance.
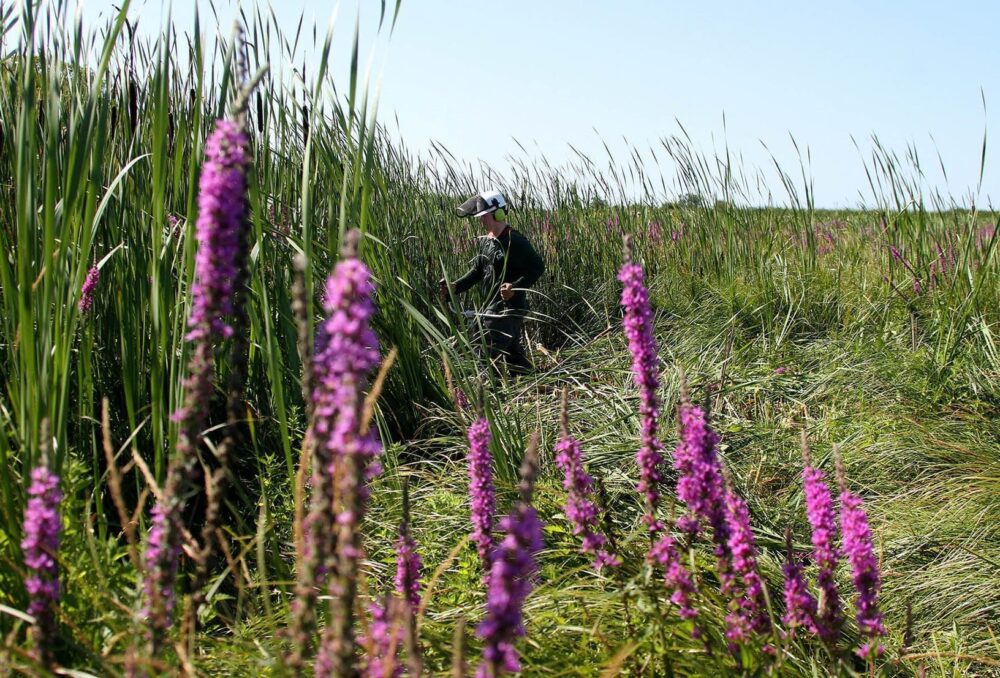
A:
(700, 485)
(638, 323)
(665, 553)
(819, 510)
(511, 578)
(346, 448)
(163, 550)
(220, 215)
(751, 613)
(579, 509)
(408, 567)
(41, 549)
(778, 371)
(800, 606)
(384, 641)
(864, 568)
(482, 495)
(87, 291)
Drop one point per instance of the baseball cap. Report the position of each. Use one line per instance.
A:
(482, 203)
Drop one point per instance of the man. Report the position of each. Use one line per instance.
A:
(506, 264)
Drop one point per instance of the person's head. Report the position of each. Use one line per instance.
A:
(490, 207)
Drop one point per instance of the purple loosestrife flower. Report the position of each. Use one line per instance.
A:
(700, 485)
(800, 606)
(482, 495)
(638, 324)
(41, 548)
(163, 552)
(346, 448)
(383, 641)
(218, 229)
(582, 512)
(864, 568)
(220, 232)
(511, 577)
(408, 566)
(665, 554)
(751, 613)
(87, 291)
(819, 510)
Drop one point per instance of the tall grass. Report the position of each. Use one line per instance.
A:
(884, 322)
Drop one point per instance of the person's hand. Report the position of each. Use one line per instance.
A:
(507, 291)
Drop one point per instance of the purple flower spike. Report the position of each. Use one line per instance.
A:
(864, 568)
(800, 606)
(408, 567)
(511, 578)
(819, 510)
(87, 291)
(482, 495)
(638, 323)
(220, 214)
(700, 486)
(678, 579)
(582, 512)
(163, 550)
(41, 549)
(346, 451)
(384, 641)
(752, 611)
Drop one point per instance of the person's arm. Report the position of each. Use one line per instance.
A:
(532, 264)
(474, 275)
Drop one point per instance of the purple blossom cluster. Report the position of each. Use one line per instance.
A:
(701, 487)
(482, 494)
(638, 324)
(666, 554)
(750, 614)
(219, 230)
(40, 545)
(864, 569)
(800, 605)
(580, 511)
(88, 289)
(822, 518)
(383, 641)
(512, 574)
(163, 550)
(408, 567)
(346, 352)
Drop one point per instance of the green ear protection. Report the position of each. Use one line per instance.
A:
(500, 214)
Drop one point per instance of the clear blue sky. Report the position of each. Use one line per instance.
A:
(474, 75)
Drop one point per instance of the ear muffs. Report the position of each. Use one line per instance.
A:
(500, 214)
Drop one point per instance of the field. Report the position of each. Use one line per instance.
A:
(874, 334)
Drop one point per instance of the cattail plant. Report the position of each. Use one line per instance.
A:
(864, 568)
(823, 520)
(638, 324)
(580, 510)
(512, 573)
(482, 494)
(40, 546)
(346, 352)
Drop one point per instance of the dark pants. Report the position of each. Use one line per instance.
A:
(504, 334)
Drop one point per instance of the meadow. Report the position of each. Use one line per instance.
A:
(230, 408)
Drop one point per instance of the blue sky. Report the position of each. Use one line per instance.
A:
(476, 75)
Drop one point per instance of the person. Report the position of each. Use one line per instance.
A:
(507, 265)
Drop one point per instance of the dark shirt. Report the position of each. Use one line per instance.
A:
(507, 258)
